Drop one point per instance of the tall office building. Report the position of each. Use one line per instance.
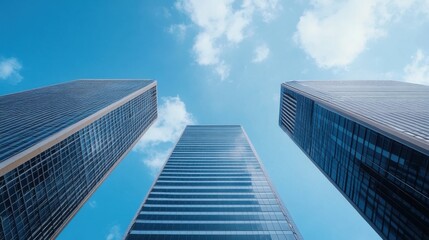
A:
(371, 140)
(212, 187)
(58, 143)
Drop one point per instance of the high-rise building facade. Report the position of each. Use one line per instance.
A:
(371, 140)
(58, 143)
(212, 187)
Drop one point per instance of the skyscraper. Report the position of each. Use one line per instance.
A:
(371, 140)
(212, 187)
(58, 144)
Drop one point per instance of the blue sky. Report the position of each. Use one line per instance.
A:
(216, 62)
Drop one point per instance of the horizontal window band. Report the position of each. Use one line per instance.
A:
(220, 166)
(182, 146)
(210, 188)
(210, 171)
(163, 178)
(212, 217)
(201, 213)
(215, 151)
(213, 145)
(207, 205)
(213, 162)
(205, 233)
(217, 193)
(243, 143)
(215, 169)
(254, 202)
(169, 164)
(209, 151)
(224, 169)
(213, 157)
(193, 174)
(214, 190)
(205, 162)
(231, 226)
(209, 222)
(213, 183)
(212, 199)
(207, 209)
(205, 151)
(210, 181)
(207, 236)
(238, 167)
(251, 171)
(208, 195)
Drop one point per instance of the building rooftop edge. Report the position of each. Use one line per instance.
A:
(21, 157)
(81, 79)
(391, 132)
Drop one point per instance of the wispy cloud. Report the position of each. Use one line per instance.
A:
(158, 140)
(418, 70)
(261, 53)
(9, 70)
(335, 33)
(223, 23)
(178, 30)
(114, 233)
(156, 159)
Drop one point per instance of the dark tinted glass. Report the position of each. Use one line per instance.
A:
(386, 180)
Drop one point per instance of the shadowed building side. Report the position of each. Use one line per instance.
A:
(371, 140)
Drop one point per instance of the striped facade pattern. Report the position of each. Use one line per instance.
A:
(212, 187)
(42, 193)
(370, 139)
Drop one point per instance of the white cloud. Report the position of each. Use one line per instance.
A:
(179, 30)
(267, 9)
(334, 33)
(222, 23)
(9, 70)
(172, 120)
(114, 233)
(418, 70)
(156, 160)
(425, 7)
(261, 53)
(207, 53)
(223, 70)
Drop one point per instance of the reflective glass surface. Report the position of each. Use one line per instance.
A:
(39, 196)
(384, 179)
(28, 117)
(212, 187)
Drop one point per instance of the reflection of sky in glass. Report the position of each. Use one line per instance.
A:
(28, 117)
(212, 187)
(404, 107)
(382, 176)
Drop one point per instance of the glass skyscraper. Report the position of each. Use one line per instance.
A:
(371, 140)
(58, 144)
(212, 186)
